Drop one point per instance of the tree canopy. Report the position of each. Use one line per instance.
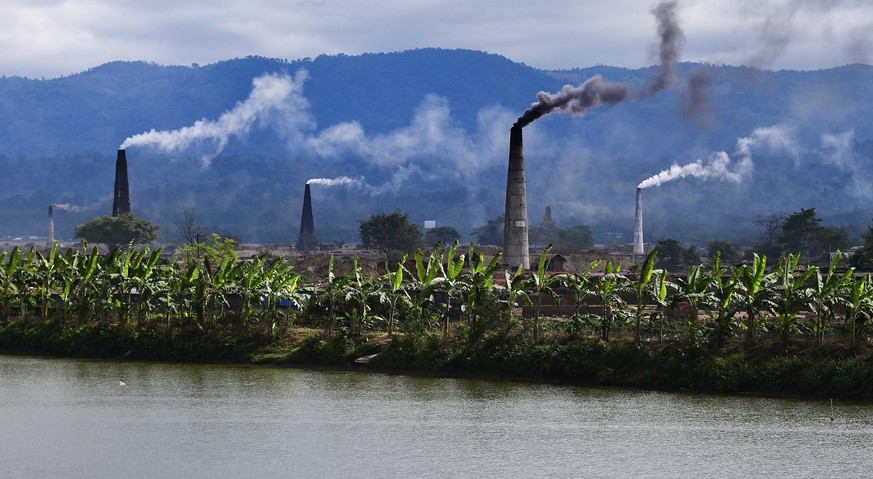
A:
(729, 252)
(446, 234)
(672, 255)
(189, 227)
(798, 230)
(214, 247)
(491, 233)
(117, 230)
(577, 237)
(389, 232)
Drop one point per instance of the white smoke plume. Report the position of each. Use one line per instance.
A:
(431, 136)
(839, 150)
(718, 167)
(721, 167)
(339, 181)
(272, 95)
(73, 208)
(278, 100)
(775, 138)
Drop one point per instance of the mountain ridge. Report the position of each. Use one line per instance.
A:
(58, 138)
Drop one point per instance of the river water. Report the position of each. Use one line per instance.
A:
(63, 418)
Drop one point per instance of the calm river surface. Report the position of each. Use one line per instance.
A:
(64, 418)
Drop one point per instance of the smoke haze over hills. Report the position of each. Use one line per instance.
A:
(427, 131)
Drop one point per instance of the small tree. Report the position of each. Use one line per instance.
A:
(446, 234)
(389, 232)
(577, 237)
(863, 258)
(490, 233)
(188, 226)
(725, 249)
(798, 231)
(215, 248)
(771, 224)
(828, 239)
(672, 255)
(114, 231)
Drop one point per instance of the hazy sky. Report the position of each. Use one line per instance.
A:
(49, 38)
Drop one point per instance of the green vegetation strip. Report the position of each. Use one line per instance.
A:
(770, 370)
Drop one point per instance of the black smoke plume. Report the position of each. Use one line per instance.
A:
(669, 50)
(694, 100)
(595, 91)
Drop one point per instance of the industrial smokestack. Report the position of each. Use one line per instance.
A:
(51, 227)
(515, 227)
(638, 225)
(307, 240)
(121, 198)
(307, 224)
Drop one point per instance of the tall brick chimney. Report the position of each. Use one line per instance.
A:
(121, 198)
(639, 248)
(515, 226)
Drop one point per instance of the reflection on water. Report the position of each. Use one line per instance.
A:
(72, 418)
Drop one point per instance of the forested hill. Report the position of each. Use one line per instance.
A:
(426, 131)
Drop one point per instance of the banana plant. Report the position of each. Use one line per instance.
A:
(68, 266)
(826, 295)
(480, 278)
(190, 291)
(120, 287)
(515, 293)
(692, 290)
(542, 285)
(333, 293)
(143, 278)
(422, 285)
(279, 283)
(222, 284)
(449, 283)
(607, 291)
(8, 289)
(392, 292)
(754, 284)
(790, 293)
(26, 282)
(249, 279)
(582, 285)
(48, 270)
(171, 290)
(860, 307)
(358, 292)
(660, 293)
(640, 287)
(87, 270)
(723, 287)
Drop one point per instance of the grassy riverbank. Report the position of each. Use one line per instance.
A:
(764, 368)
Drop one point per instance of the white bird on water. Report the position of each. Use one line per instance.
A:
(122, 383)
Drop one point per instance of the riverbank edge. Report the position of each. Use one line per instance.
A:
(770, 369)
